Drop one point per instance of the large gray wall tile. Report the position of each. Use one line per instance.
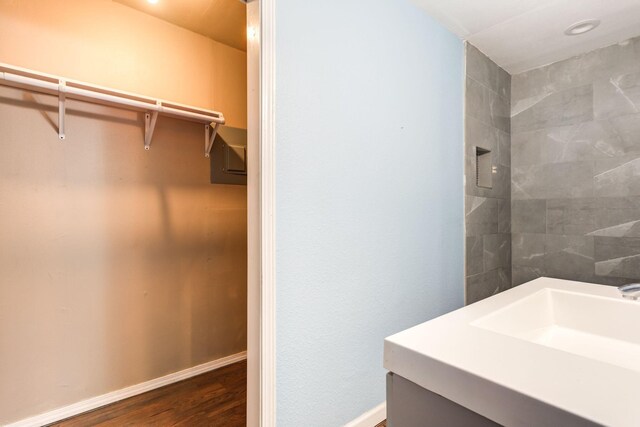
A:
(613, 281)
(504, 216)
(501, 181)
(604, 138)
(625, 229)
(504, 149)
(523, 274)
(569, 257)
(605, 216)
(481, 286)
(617, 176)
(480, 134)
(567, 107)
(528, 216)
(496, 251)
(500, 111)
(616, 247)
(620, 59)
(481, 215)
(528, 250)
(581, 142)
(618, 217)
(527, 257)
(573, 216)
(486, 72)
(617, 96)
(529, 85)
(474, 256)
(503, 87)
(476, 101)
(617, 257)
(628, 129)
(480, 68)
(552, 180)
(487, 106)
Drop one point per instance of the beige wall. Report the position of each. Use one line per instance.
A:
(118, 265)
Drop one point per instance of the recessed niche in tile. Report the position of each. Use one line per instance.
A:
(484, 168)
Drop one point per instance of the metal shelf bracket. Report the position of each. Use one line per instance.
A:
(150, 120)
(62, 108)
(209, 137)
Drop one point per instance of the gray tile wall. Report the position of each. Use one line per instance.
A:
(487, 211)
(575, 177)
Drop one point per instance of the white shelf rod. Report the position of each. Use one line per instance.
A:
(23, 78)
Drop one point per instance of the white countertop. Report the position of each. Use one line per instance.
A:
(513, 381)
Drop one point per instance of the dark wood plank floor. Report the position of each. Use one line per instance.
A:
(217, 398)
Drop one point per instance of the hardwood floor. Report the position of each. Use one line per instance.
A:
(382, 424)
(217, 398)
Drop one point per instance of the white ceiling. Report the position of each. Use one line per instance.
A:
(220, 20)
(523, 34)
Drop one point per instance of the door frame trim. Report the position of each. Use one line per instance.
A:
(261, 314)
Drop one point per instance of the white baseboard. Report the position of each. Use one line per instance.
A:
(371, 418)
(114, 396)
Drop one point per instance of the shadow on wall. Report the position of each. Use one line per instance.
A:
(120, 265)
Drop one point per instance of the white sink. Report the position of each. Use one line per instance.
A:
(549, 352)
(604, 329)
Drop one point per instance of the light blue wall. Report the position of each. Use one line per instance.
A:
(369, 195)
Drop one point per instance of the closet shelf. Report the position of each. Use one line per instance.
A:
(72, 89)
